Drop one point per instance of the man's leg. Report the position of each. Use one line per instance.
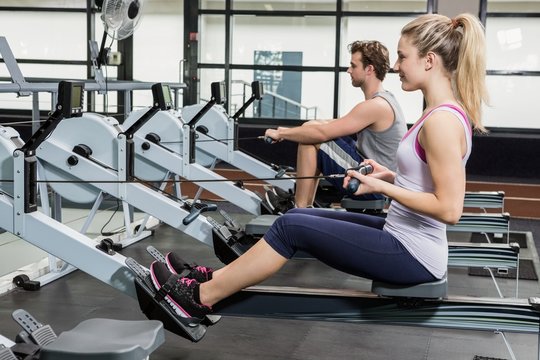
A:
(306, 166)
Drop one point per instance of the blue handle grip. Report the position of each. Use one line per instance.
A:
(354, 183)
(353, 186)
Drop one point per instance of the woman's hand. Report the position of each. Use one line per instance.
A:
(370, 183)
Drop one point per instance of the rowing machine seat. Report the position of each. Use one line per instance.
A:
(430, 290)
(106, 339)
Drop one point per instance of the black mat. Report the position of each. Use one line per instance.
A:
(517, 237)
(478, 357)
(526, 271)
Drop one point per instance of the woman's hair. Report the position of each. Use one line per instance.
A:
(460, 42)
(373, 53)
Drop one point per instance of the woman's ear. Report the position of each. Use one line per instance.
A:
(429, 61)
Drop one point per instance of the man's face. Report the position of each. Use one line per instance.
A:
(356, 70)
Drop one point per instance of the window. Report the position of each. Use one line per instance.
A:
(298, 50)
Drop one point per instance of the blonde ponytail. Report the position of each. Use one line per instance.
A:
(470, 74)
(460, 42)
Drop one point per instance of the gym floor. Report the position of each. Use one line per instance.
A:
(76, 297)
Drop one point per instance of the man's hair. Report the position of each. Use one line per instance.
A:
(373, 53)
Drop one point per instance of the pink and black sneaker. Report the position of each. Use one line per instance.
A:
(178, 292)
(177, 265)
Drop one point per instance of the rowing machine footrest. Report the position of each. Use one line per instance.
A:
(431, 290)
(6, 353)
(160, 310)
(229, 249)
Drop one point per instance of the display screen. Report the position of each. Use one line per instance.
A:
(167, 95)
(76, 97)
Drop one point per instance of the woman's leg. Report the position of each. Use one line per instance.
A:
(338, 239)
(254, 266)
(352, 243)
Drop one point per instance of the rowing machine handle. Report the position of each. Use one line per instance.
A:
(354, 183)
(196, 211)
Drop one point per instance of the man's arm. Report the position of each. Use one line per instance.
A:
(375, 113)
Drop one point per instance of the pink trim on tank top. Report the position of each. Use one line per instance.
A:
(417, 147)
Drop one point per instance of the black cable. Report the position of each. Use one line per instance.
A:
(108, 221)
(143, 181)
(212, 139)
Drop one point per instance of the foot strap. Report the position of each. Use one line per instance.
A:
(166, 288)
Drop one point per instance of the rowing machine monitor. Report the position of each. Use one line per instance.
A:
(70, 104)
(218, 96)
(162, 96)
(161, 101)
(70, 98)
(218, 92)
(257, 91)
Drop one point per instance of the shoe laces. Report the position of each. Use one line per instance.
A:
(202, 269)
(188, 282)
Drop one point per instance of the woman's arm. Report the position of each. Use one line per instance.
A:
(443, 138)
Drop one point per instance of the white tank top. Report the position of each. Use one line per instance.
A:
(423, 236)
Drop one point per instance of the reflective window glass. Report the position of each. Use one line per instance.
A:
(311, 36)
(512, 43)
(287, 94)
(385, 5)
(511, 105)
(61, 4)
(47, 36)
(291, 5)
(212, 42)
(57, 71)
(511, 6)
(212, 4)
(369, 28)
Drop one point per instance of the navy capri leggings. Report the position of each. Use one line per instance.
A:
(350, 242)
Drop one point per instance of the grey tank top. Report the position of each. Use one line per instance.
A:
(381, 146)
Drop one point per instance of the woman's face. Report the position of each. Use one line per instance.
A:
(409, 66)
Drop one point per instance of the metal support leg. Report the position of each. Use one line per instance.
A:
(507, 344)
(92, 214)
(128, 218)
(494, 281)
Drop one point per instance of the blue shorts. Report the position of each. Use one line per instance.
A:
(350, 242)
(335, 157)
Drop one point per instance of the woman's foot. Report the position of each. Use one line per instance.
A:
(177, 265)
(180, 292)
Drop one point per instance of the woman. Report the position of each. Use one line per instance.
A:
(445, 59)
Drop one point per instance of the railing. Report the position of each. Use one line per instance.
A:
(279, 106)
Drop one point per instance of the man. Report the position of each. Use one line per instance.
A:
(326, 146)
